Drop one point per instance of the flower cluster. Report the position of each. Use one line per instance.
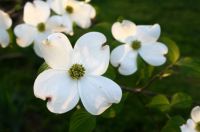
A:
(76, 73)
(39, 23)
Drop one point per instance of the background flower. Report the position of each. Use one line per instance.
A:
(5, 24)
(77, 11)
(138, 40)
(38, 25)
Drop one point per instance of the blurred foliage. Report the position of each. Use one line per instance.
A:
(165, 111)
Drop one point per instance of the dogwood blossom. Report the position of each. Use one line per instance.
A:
(76, 73)
(5, 23)
(79, 12)
(137, 40)
(38, 25)
(193, 124)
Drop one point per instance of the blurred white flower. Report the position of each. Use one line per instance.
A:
(192, 125)
(87, 1)
(5, 23)
(79, 12)
(76, 73)
(189, 126)
(38, 25)
(137, 40)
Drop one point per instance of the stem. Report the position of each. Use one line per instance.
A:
(149, 83)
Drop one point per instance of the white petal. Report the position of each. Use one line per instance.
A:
(125, 58)
(97, 93)
(4, 38)
(37, 49)
(36, 12)
(153, 53)
(122, 31)
(93, 54)
(60, 24)
(189, 126)
(191, 123)
(5, 20)
(149, 33)
(58, 88)
(57, 51)
(58, 6)
(25, 34)
(38, 42)
(195, 114)
(82, 13)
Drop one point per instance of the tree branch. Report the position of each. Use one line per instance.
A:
(149, 83)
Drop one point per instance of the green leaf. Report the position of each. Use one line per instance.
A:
(173, 50)
(82, 121)
(43, 67)
(160, 102)
(181, 100)
(192, 63)
(173, 124)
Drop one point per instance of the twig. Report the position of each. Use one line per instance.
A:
(149, 83)
(138, 90)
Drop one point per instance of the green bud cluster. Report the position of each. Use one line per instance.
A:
(76, 71)
(69, 9)
(197, 127)
(41, 27)
(136, 45)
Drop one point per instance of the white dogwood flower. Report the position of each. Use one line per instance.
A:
(76, 73)
(79, 12)
(137, 40)
(5, 23)
(38, 25)
(193, 124)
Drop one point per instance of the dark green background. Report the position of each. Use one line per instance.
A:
(21, 111)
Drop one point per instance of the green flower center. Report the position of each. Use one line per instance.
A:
(69, 9)
(41, 27)
(76, 71)
(197, 127)
(136, 45)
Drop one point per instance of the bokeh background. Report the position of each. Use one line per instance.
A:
(20, 111)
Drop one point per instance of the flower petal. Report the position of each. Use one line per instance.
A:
(125, 58)
(189, 126)
(60, 24)
(148, 34)
(93, 54)
(97, 93)
(36, 12)
(24, 39)
(153, 53)
(56, 51)
(58, 89)
(38, 42)
(58, 6)
(5, 20)
(195, 114)
(122, 31)
(4, 38)
(82, 14)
